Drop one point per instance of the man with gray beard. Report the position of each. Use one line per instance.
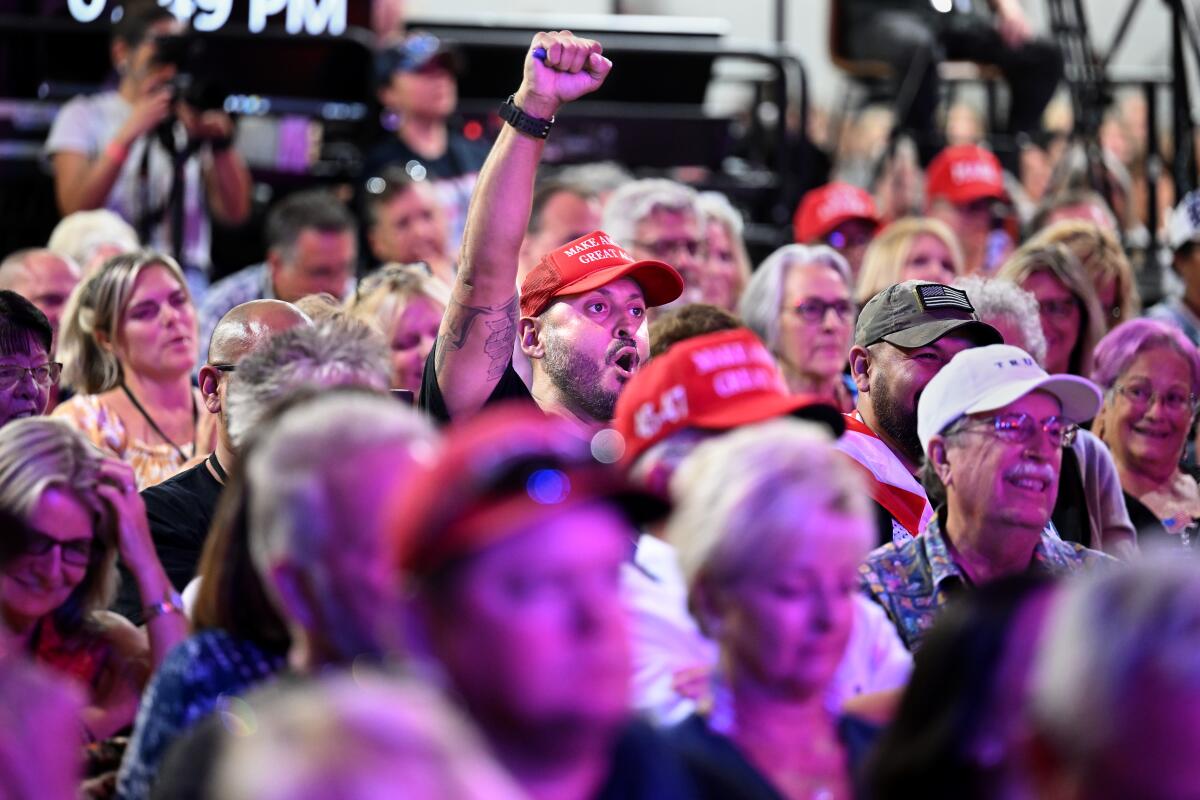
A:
(904, 336)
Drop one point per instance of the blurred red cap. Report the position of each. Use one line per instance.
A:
(717, 381)
(825, 208)
(965, 173)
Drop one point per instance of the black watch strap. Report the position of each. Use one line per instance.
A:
(525, 123)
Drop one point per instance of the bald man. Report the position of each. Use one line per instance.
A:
(43, 278)
(180, 509)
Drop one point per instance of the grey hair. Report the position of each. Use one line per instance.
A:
(762, 299)
(737, 496)
(80, 234)
(996, 299)
(333, 735)
(337, 352)
(292, 473)
(635, 201)
(40, 453)
(97, 304)
(1106, 633)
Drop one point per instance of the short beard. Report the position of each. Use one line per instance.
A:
(898, 422)
(577, 378)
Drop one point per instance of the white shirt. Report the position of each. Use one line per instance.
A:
(666, 640)
(88, 123)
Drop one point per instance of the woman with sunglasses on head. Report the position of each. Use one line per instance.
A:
(82, 511)
(798, 302)
(404, 303)
(129, 346)
(1150, 374)
(1072, 319)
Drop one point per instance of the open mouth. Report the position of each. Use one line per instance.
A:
(1152, 433)
(626, 361)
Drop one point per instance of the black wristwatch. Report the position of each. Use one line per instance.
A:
(525, 123)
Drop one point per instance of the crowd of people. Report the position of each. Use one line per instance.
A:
(570, 500)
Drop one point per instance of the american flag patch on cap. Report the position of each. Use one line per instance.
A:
(935, 295)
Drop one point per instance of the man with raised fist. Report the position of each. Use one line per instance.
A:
(581, 314)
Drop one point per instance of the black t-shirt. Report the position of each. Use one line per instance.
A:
(462, 157)
(180, 510)
(510, 388)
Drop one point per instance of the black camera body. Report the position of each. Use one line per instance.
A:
(195, 82)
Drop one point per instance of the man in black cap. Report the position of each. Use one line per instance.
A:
(419, 93)
(904, 336)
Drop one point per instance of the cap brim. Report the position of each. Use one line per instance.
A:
(927, 332)
(1079, 397)
(660, 283)
(971, 192)
(767, 407)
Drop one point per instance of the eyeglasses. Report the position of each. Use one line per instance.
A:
(43, 374)
(814, 310)
(1020, 428)
(76, 552)
(224, 367)
(1175, 401)
(667, 249)
(1058, 308)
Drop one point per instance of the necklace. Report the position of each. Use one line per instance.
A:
(154, 425)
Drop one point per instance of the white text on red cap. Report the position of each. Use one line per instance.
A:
(974, 172)
(648, 420)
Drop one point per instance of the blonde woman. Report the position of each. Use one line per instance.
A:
(128, 346)
(923, 249)
(728, 262)
(405, 303)
(1067, 304)
(1104, 263)
(770, 526)
(80, 510)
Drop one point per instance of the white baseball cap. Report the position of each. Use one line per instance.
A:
(1184, 226)
(988, 378)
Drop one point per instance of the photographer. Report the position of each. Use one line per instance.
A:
(118, 149)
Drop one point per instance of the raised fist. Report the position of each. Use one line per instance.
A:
(573, 66)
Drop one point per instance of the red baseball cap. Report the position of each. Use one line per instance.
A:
(823, 209)
(590, 262)
(717, 381)
(964, 173)
(506, 467)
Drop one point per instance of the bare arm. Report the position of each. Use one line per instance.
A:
(226, 176)
(475, 340)
(82, 183)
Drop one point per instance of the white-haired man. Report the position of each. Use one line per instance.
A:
(993, 426)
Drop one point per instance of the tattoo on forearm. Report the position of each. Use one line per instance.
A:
(500, 323)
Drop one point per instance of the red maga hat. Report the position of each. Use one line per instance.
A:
(823, 209)
(590, 262)
(965, 173)
(717, 381)
(508, 467)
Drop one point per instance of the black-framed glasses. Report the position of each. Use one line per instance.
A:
(76, 552)
(666, 249)
(1176, 401)
(814, 309)
(1019, 428)
(43, 374)
(224, 367)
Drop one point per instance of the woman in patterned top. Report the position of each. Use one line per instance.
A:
(81, 511)
(128, 347)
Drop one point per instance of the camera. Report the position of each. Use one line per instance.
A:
(194, 83)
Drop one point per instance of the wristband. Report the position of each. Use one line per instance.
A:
(220, 145)
(116, 151)
(525, 123)
(172, 603)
